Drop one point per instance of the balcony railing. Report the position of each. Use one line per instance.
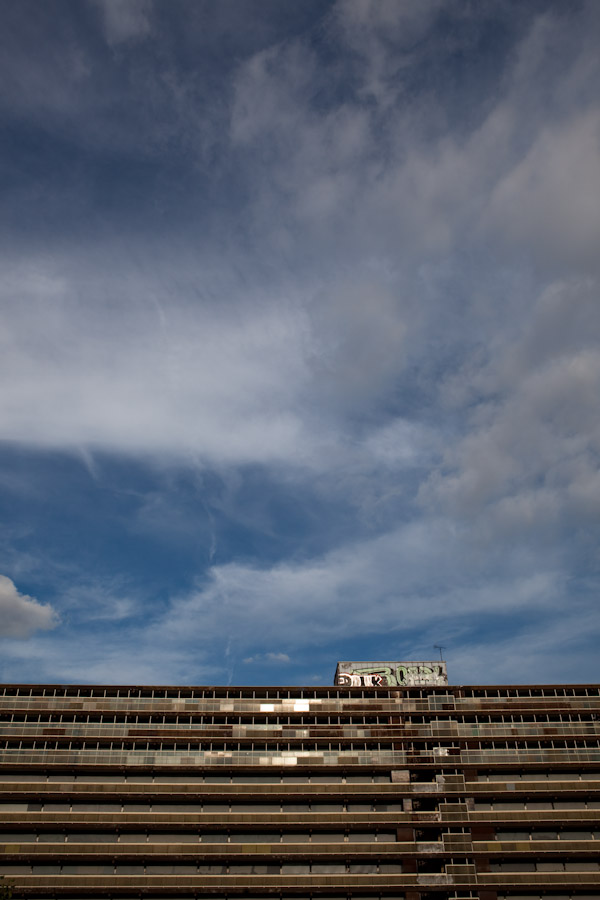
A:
(194, 731)
(310, 706)
(142, 884)
(314, 758)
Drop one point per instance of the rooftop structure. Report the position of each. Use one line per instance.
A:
(422, 792)
(391, 674)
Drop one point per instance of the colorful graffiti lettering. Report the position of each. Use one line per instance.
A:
(384, 674)
(355, 680)
(424, 673)
(392, 674)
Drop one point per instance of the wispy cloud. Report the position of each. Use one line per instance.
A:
(127, 20)
(270, 657)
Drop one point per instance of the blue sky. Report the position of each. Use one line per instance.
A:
(300, 339)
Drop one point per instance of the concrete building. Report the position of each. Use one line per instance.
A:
(390, 784)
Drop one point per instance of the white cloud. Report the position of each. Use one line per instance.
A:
(125, 20)
(391, 176)
(173, 357)
(405, 22)
(408, 579)
(181, 380)
(102, 600)
(386, 335)
(21, 615)
(90, 658)
(547, 201)
(269, 657)
(548, 650)
(372, 27)
(528, 459)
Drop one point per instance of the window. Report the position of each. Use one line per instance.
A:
(20, 837)
(178, 837)
(166, 869)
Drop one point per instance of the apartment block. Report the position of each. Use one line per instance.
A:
(389, 785)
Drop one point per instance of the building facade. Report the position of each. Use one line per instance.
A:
(370, 790)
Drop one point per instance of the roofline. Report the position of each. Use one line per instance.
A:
(311, 687)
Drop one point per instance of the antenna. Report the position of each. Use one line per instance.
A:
(440, 648)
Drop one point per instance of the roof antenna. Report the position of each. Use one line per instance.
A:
(440, 648)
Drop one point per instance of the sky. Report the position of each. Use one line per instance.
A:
(300, 339)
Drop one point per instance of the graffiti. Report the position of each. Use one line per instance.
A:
(422, 673)
(355, 680)
(391, 674)
(381, 676)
